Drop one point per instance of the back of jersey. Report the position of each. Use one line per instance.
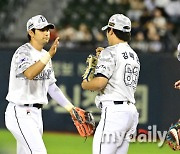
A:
(120, 64)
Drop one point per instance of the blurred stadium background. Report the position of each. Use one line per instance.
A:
(155, 36)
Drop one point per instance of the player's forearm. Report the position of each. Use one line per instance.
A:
(56, 93)
(96, 84)
(34, 70)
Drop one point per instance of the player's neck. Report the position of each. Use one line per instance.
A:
(117, 41)
(37, 45)
(120, 41)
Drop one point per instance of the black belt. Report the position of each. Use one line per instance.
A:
(121, 102)
(115, 103)
(34, 105)
(118, 102)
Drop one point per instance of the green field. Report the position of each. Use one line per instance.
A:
(59, 143)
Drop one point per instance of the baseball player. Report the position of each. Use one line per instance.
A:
(177, 83)
(31, 78)
(116, 78)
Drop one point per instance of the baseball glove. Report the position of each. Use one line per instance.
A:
(84, 121)
(173, 136)
(90, 69)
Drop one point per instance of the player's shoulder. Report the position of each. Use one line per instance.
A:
(127, 48)
(132, 51)
(108, 51)
(126, 52)
(117, 47)
(133, 55)
(24, 49)
(110, 48)
(113, 50)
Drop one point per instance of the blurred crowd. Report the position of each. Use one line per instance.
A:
(10, 11)
(155, 23)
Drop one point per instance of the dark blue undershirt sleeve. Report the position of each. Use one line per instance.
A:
(100, 75)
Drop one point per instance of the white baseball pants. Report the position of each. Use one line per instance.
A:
(118, 122)
(25, 123)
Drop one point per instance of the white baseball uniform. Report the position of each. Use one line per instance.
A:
(23, 114)
(119, 117)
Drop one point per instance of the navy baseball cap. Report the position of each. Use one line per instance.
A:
(38, 22)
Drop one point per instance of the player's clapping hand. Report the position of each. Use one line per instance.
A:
(53, 49)
(177, 84)
(98, 51)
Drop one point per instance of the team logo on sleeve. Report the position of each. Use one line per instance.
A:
(43, 75)
(22, 60)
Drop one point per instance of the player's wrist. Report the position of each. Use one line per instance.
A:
(45, 59)
(85, 80)
(51, 54)
(69, 107)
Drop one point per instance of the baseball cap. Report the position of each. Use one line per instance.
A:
(119, 22)
(38, 22)
(178, 48)
(178, 52)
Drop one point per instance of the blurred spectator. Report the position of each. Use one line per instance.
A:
(136, 10)
(139, 44)
(155, 23)
(159, 21)
(161, 3)
(149, 5)
(153, 38)
(170, 36)
(83, 34)
(152, 4)
(145, 17)
(98, 35)
(173, 10)
(68, 33)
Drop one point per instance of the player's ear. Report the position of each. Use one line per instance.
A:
(31, 33)
(111, 31)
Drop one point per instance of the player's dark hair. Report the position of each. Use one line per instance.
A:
(29, 37)
(125, 36)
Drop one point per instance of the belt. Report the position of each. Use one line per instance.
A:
(121, 102)
(116, 103)
(34, 105)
